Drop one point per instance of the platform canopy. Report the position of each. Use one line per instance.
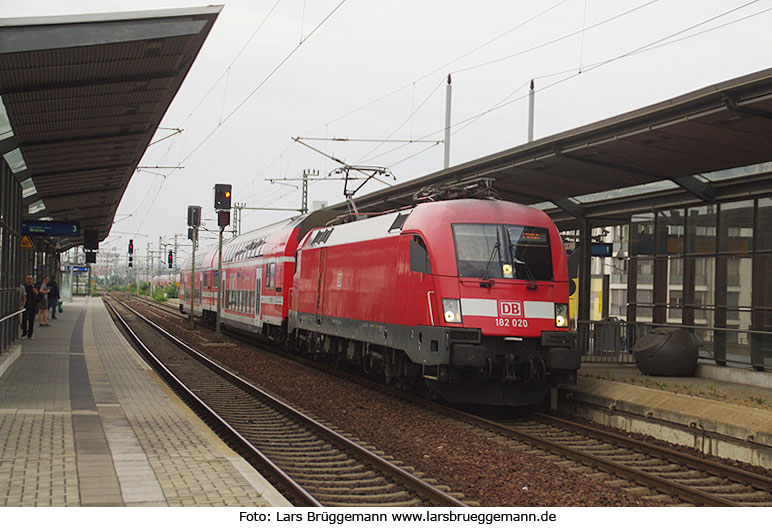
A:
(667, 153)
(82, 97)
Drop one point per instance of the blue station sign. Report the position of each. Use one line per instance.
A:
(51, 228)
(601, 249)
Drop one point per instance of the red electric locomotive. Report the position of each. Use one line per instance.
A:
(468, 296)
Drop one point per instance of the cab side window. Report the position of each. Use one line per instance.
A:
(419, 256)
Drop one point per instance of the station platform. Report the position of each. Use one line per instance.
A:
(723, 411)
(85, 422)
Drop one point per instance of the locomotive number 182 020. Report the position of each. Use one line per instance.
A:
(513, 323)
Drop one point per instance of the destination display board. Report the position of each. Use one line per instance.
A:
(50, 228)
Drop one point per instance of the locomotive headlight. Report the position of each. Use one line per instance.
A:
(452, 310)
(561, 315)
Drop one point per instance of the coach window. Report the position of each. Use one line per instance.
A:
(277, 278)
(269, 271)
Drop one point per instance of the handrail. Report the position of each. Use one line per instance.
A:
(679, 325)
(11, 315)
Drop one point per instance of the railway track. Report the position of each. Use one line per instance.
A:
(309, 461)
(654, 472)
(691, 479)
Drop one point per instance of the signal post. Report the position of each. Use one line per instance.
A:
(222, 205)
(194, 221)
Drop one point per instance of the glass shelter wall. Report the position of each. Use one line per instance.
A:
(10, 281)
(706, 268)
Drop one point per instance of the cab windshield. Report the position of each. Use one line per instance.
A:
(496, 251)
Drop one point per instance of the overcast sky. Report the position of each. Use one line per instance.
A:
(376, 69)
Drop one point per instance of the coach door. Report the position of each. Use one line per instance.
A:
(223, 293)
(320, 285)
(258, 291)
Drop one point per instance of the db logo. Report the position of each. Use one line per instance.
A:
(510, 309)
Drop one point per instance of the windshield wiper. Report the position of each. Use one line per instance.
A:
(486, 275)
(531, 279)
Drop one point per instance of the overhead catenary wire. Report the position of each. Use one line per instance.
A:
(463, 124)
(475, 49)
(656, 44)
(205, 96)
(555, 40)
(254, 91)
(264, 81)
(445, 65)
(437, 69)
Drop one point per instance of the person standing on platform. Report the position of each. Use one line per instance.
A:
(43, 303)
(29, 303)
(53, 296)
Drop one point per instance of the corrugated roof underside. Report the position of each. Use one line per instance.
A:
(84, 115)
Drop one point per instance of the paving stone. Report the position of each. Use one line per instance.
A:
(121, 438)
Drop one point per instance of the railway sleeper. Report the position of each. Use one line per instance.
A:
(274, 426)
(689, 476)
(667, 470)
(318, 466)
(617, 482)
(376, 499)
(332, 458)
(347, 465)
(385, 488)
(648, 464)
(292, 452)
(727, 490)
(626, 458)
(659, 497)
(397, 504)
(305, 472)
(313, 447)
(352, 482)
(756, 498)
(601, 451)
(319, 476)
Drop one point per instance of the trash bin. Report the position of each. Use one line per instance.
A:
(667, 352)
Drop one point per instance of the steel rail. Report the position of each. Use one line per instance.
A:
(709, 466)
(437, 496)
(684, 492)
(295, 489)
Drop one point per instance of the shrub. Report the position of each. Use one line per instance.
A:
(159, 295)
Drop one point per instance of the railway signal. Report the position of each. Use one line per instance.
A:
(131, 247)
(223, 218)
(130, 263)
(170, 259)
(222, 197)
(194, 215)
